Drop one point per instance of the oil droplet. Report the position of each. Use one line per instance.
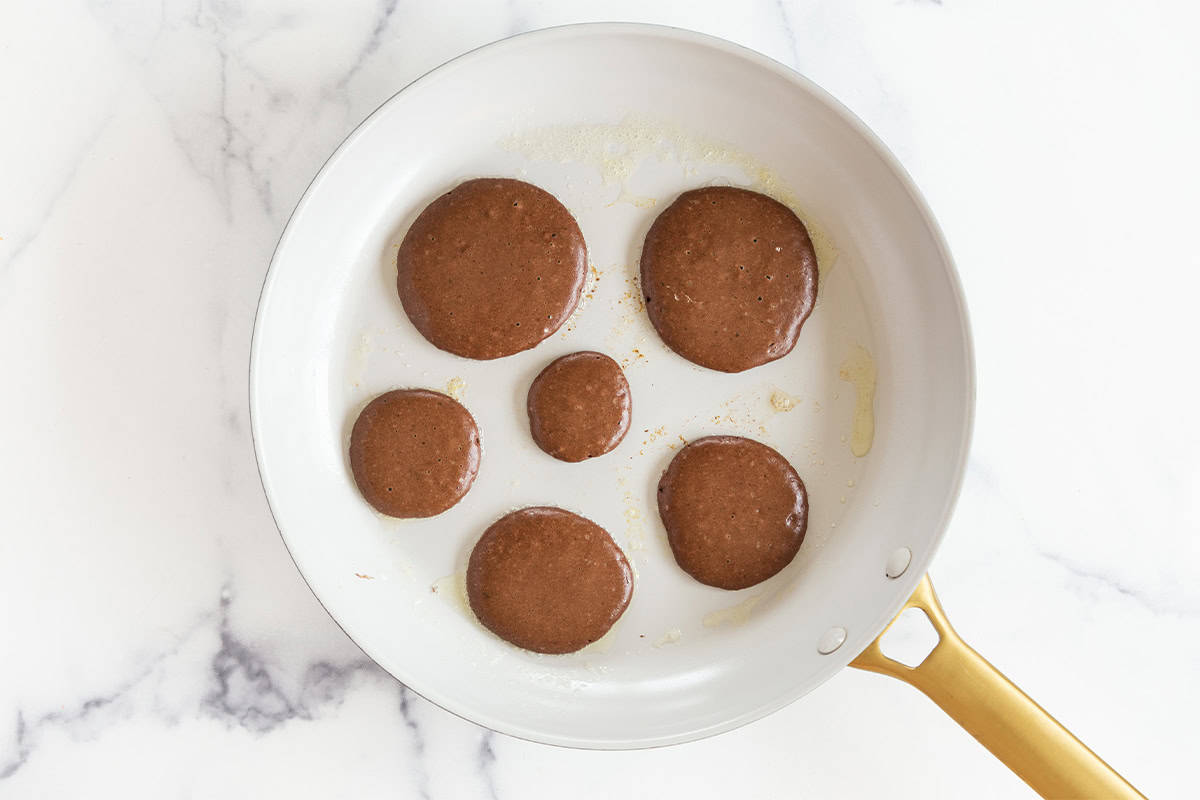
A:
(635, 533)
(453, 589)
(859, 370)
(670, 637)
(734, 615)
(635, 200)
(359, 358)
(782, 401)
(604, 643)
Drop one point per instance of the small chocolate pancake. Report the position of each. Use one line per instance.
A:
(734, 509)
(579, 406)
(548, 580)
(491, 268)
(729, 277)
(414, 453)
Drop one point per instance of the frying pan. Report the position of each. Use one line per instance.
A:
(616, 120)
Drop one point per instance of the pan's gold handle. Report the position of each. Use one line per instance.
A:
(1014, 728)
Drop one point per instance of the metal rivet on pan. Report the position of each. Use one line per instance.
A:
(831, 640)
(897, 562)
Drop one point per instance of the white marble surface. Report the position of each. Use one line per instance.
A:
(156, 640)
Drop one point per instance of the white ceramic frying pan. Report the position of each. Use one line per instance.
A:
(616, 120)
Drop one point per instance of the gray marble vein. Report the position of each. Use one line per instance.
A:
(789, 33)
(23, 748)
(225, 147)
(374, 40)
(1153, 601)
(13, 253)
(417, 738)
(27, 732)
(518, 21)
(243, 692)
(487, 761)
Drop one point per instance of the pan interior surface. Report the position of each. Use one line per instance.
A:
(616, 120)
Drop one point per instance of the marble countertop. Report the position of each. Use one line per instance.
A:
(158, 641)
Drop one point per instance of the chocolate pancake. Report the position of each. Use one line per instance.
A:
(729, 277)
(734, 509)
(579, 406)
(491, 268)
(414, 453)
(548, 580)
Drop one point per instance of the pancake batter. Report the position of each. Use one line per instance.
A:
(579, 406)
(734, 509)
(491, 268)
(414, 453)
(548, 580)
(729, 277)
